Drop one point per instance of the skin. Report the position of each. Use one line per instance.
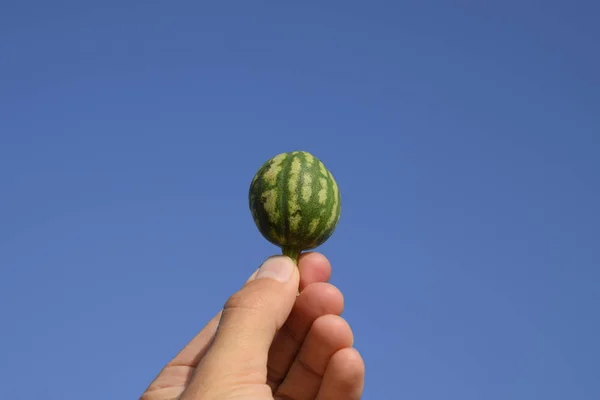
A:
(305, 354)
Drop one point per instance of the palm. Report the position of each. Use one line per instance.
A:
(310, 358)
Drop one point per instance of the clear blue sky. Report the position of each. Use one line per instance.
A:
(464, 136)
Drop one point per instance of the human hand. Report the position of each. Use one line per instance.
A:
(268, 343)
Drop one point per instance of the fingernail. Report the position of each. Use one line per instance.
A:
(279, 268)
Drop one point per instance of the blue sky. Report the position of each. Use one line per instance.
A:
(464, 137)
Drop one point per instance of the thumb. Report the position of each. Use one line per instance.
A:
(250, 319)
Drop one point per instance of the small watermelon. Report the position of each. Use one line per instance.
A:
(295, 202)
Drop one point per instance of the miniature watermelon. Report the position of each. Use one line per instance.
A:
(295, 202)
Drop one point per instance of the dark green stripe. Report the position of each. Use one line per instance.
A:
(299, 183)
(259, 190)
(316, 187)
(317, 206)
(310, 203)
(339, 206)
(286, 166)
(321, 232)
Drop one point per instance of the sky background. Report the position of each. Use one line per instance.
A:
(464, 137)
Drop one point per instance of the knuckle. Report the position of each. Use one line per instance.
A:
(248, 299)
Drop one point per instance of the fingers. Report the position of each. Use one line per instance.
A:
(249, 321)
(314, 267)
(315, 301)
(328, 335)
(344, 377)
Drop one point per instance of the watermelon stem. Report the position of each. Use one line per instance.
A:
(292, 253)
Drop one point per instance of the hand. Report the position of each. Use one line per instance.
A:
(267, 343)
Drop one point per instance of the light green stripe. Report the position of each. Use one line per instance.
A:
(274, 169)
(294, 188)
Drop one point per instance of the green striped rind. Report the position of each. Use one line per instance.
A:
(295, 201)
